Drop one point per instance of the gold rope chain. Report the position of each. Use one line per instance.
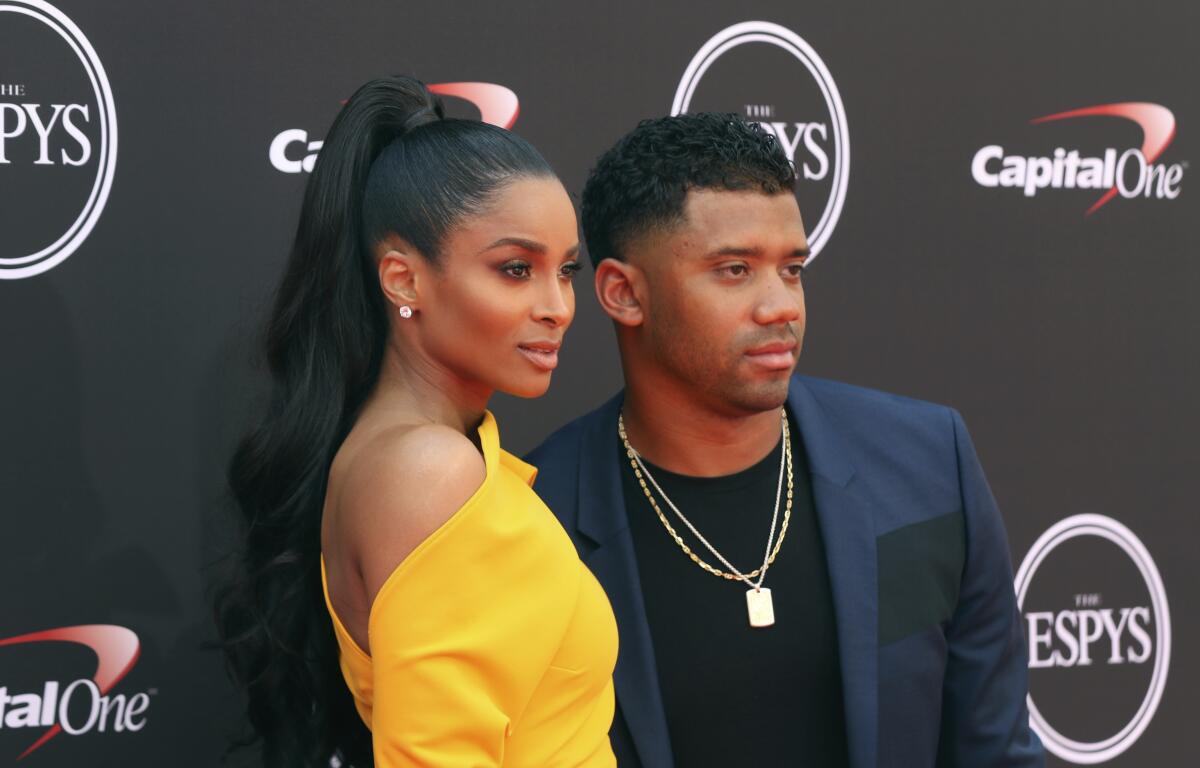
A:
(632, 455)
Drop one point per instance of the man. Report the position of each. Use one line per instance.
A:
(803, 572)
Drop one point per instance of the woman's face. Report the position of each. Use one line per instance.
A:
(494, 309)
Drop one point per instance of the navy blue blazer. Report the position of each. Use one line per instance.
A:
(930, 639)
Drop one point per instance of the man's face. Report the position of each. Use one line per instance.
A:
(724, 306)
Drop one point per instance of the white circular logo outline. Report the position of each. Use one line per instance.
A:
(782, 37)
(58, 251)
(1089, 753)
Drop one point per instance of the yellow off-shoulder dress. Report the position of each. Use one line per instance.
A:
(492, 643)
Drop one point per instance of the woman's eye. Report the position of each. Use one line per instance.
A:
(570, 269)
(517, 269)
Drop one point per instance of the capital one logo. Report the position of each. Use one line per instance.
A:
(772, 76)
(1130, 172)
(292, 151)
(84, 705)
(58, 138)
(1099, 633)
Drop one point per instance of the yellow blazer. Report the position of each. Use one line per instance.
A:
(493, 645)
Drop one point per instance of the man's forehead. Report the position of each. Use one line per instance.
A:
(743, 218)
(715, 219)
(704, 202)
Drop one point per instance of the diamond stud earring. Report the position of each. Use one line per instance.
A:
(406, 311)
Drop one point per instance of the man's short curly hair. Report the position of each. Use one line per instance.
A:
(641, 183)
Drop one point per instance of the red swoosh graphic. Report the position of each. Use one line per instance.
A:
(116, 648)
(1156, 121)
(497, 105)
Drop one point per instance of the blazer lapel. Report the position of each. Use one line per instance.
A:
(602, 519)
(849, 535)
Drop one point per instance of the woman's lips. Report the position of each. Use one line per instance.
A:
(543, 355)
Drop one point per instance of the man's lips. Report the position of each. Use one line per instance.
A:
(775, 356)
(543, 354)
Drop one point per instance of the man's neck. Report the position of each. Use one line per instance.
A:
(680, 434)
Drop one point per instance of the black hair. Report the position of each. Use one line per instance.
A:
(642, 182)
(391, 163)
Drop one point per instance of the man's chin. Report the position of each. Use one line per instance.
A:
(760, 396)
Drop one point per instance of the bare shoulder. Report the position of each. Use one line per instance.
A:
(400, 486)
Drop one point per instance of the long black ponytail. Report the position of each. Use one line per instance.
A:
(391, 163)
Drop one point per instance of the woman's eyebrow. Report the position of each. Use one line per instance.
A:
(520, 242)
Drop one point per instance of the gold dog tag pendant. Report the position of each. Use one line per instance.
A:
(762, 610)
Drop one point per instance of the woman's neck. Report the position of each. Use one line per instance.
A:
(413, 389)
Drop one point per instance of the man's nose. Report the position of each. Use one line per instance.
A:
(779, 303)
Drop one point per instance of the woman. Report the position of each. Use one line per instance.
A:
(393, 550)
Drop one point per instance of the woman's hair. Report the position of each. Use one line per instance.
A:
(392, 163)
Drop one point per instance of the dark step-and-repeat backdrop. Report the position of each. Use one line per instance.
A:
(999, 197)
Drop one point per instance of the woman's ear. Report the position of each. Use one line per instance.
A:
(618, 288)
(400, 272)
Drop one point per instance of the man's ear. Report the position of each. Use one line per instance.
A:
(620, 289)
(401, 269)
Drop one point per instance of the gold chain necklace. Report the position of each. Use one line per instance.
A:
(758, 599)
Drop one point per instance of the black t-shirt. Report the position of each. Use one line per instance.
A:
(735, 694)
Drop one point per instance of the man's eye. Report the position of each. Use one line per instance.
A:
(517, 269)
(794, 270)
(735, 270)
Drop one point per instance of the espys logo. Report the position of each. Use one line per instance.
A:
(83, 705)
(1131, 173)
(1097, 623)
(773, 77)
(292, 152)
(58, 137)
